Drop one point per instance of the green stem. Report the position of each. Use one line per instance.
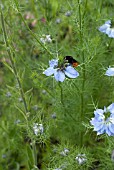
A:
(11, 56)
(83, 74)
(62, 102)
(100, 6)
(110, 42)
(85, 8)
(32, 33)
(12, 62)
(61, 91)
(34, 152)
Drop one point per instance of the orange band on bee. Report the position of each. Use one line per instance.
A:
(75, 64)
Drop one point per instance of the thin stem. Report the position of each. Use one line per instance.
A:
(85, 8)
(61, 91)
(110, 42)
(11, 56)
(83, 73)
(32, 33)
(62, 102)
(34, 152)
(12, 63)
(100, 6)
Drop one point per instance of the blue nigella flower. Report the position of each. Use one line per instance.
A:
(60, 72)
(103, 121)
(110, 72)
(106, 28)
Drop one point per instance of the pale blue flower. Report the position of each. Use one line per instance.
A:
(110, 72)
(59, 75)
(49, 71)
(102, 123)
(53, 63)
(111, 108)
(110, 33)
(71, 72)
(60, 72)
(106, 28)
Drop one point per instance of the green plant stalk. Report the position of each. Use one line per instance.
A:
(32, 5)
(110, 42)
(61, 93)
(85, 8)
(12, 63)
(62, 102)
(83, 74)
(32, 33)
(17, 78)
(100, 6)
(34, 152)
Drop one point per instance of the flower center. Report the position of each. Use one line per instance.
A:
(62, 66)
(107, 115)
(112, 24)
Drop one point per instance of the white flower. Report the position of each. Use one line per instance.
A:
(38, 128)
(46, 39)
(68, 13)
(81, 158)
(64, 152)
(42, 40)
(54, 116)
(35, 107)
(8, 94)
(17, 121)
(20, 99)
(58, 21)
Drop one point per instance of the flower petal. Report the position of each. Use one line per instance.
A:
(108, 22)
(48, 39)
(53, 63)
(99, 114)
(108, 31)
(101, 131)
(108, 131)
(49, 71)
(103, 28)
(110, 72)
(111, 34)
(71, 72)
(111, 128)
(59, 75)
(111, 108)
(99, 126)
